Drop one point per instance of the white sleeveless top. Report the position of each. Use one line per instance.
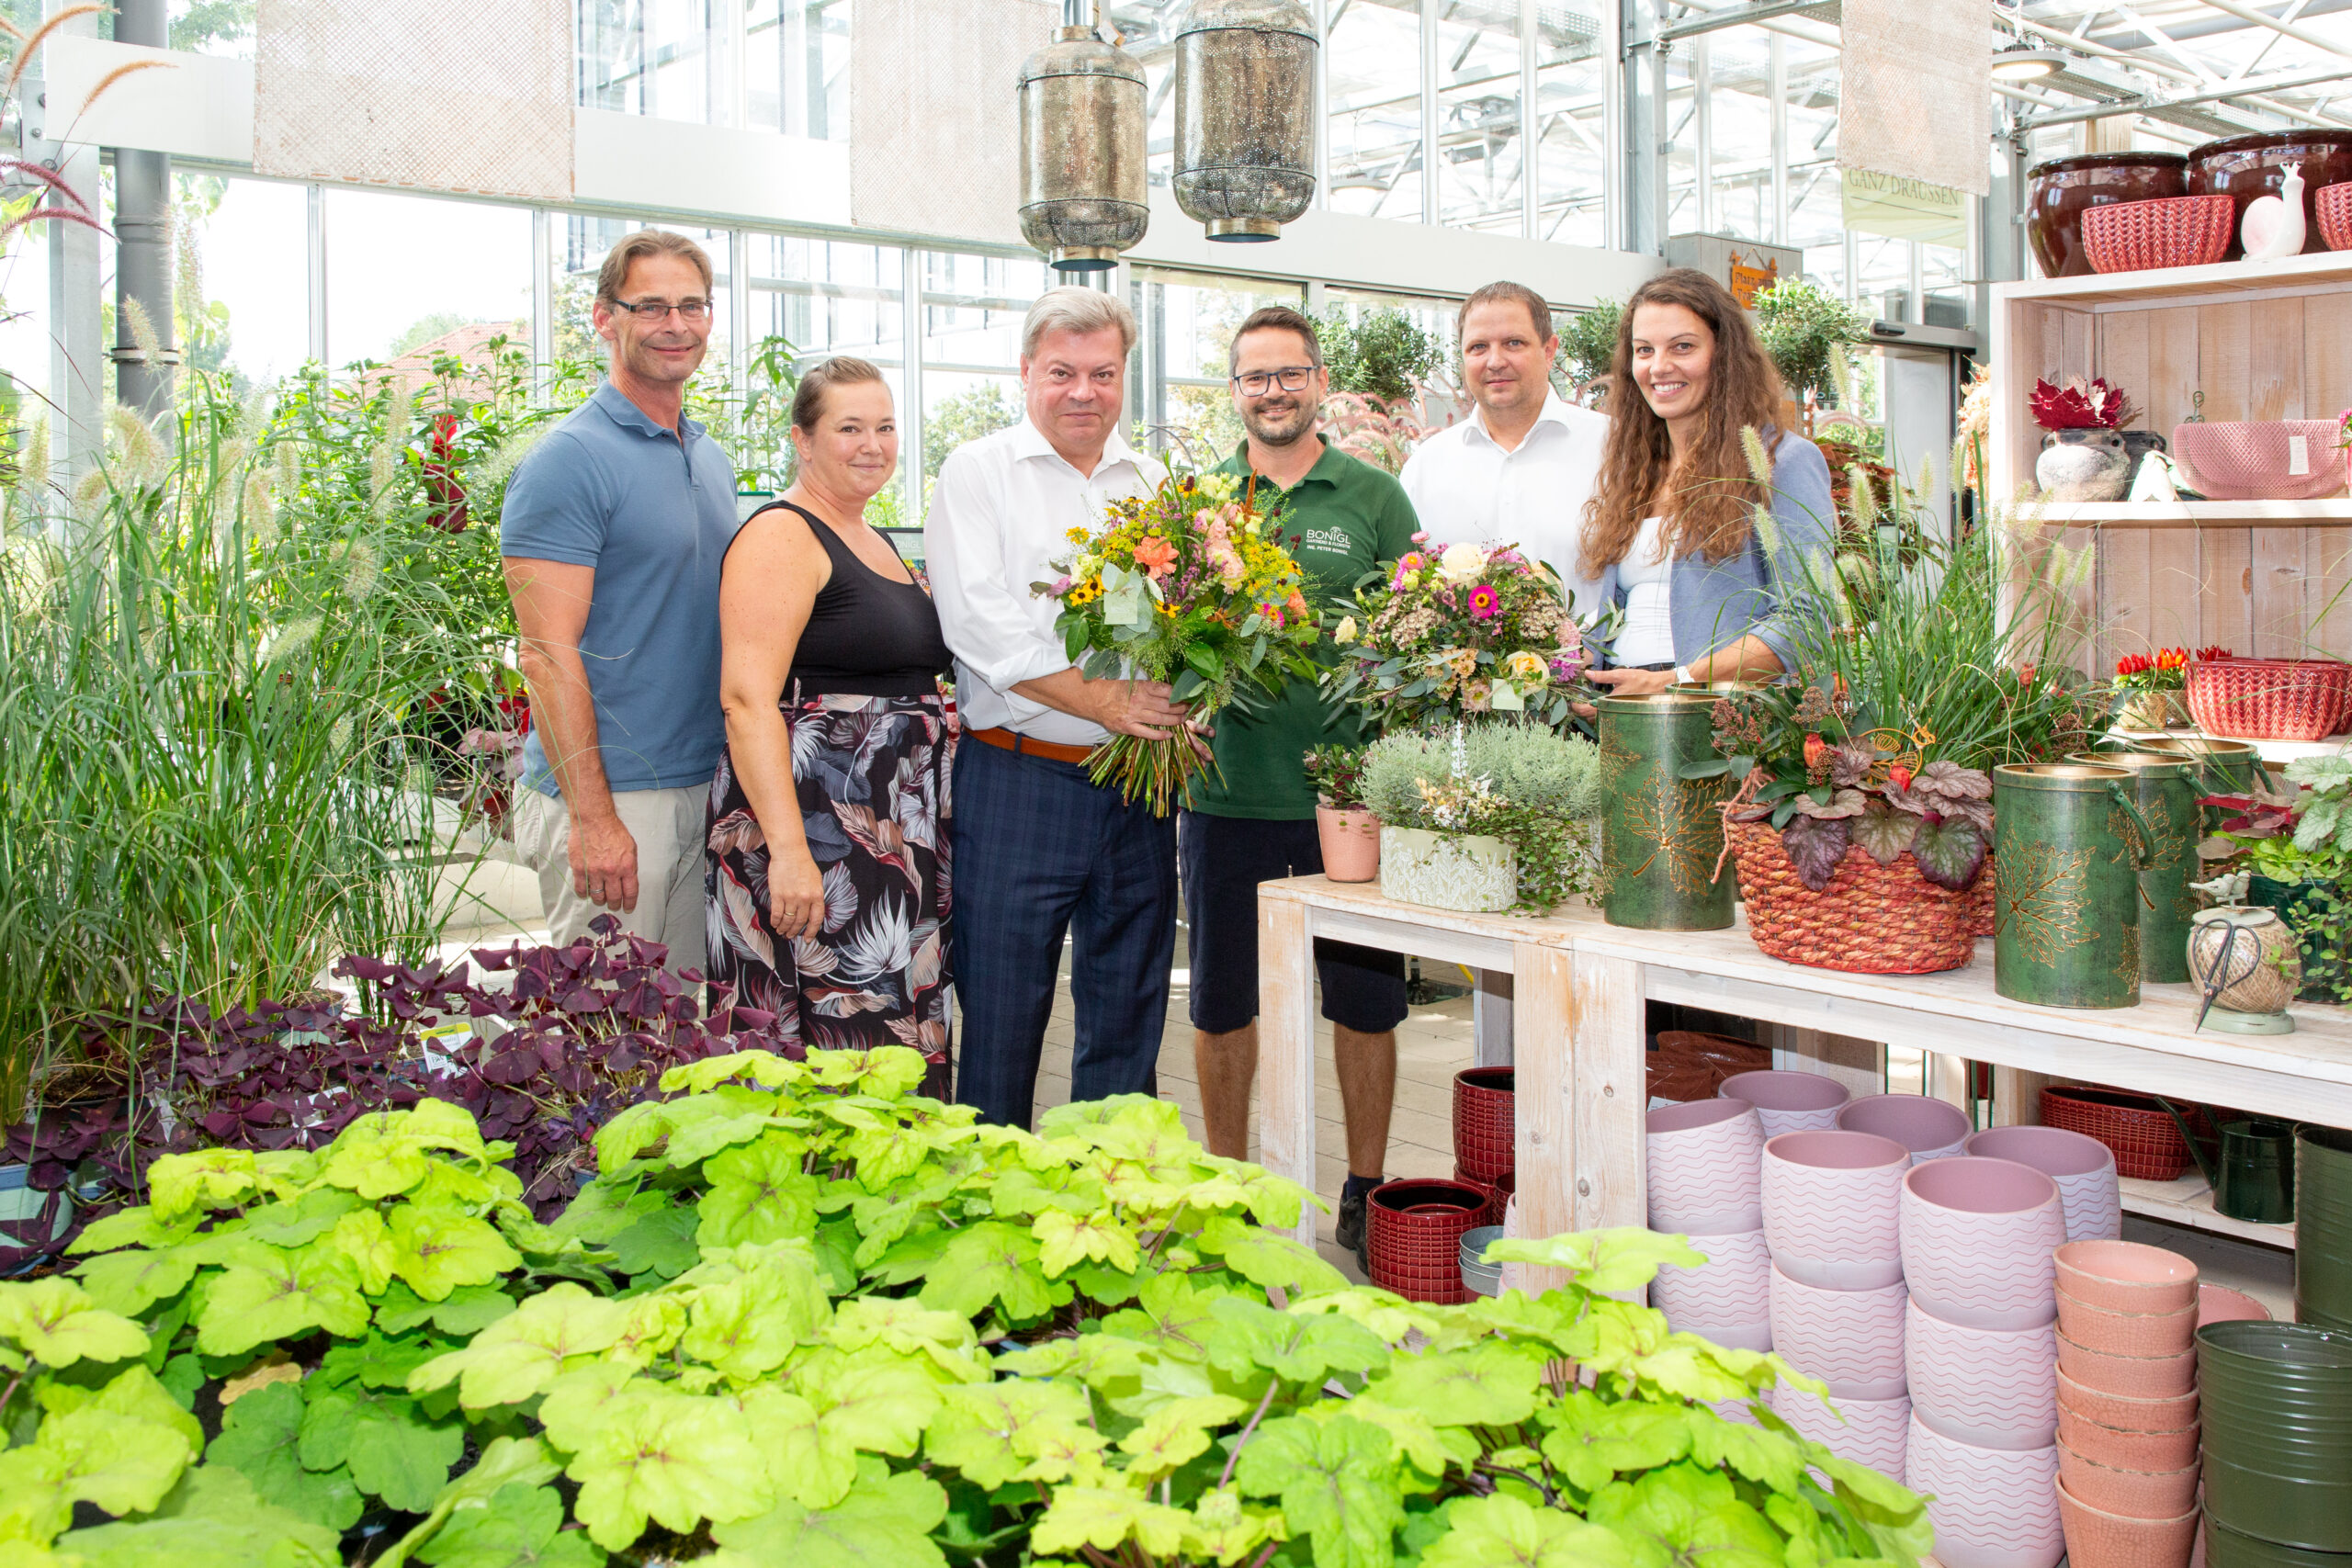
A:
(1646, 575)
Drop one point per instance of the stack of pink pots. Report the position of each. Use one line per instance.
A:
(1702, 1162)
(1930, 1129)
(1831, 1203)
(1977, 1239)
(2127, 1403)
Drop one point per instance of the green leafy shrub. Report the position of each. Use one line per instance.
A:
(1806, 331)
(802, 1317)
(1588, 342)
(1380, 352)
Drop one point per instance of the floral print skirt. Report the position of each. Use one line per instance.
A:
(873, 775)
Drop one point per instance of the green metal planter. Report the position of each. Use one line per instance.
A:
(2066, 923)
(1662, 838)
(2222, 767)
(2165, 791)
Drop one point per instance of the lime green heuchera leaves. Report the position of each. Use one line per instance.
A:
(818, 1323)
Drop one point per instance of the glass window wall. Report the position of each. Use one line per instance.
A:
(795, 67)
(1373, 65)
(395, 285)
(1178, 391)
(1571, 91)
(1480, 153)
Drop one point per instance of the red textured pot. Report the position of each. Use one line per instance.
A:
(1415, 1242)
(2058, 192)
(1350, 838)
(2244, 167)
(1485, 1128)
(2333, 206)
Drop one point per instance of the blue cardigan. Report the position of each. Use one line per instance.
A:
(1713, 605)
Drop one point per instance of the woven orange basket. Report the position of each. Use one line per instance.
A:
(2269, 699)
(1982, 905)
(1871, 919)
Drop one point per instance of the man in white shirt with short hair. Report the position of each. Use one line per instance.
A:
(1519, 469)
(1038, 849)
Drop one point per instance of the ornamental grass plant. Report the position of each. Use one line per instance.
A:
(208, 784)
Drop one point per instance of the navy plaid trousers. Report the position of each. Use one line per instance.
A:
(1040, 851)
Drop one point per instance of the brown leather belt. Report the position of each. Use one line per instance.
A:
(1019, 744)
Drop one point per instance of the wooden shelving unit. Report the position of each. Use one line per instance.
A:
(2190, 1201)
(2261, 341)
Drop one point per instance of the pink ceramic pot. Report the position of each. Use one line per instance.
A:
(2134, 1377)
(1831, 1208)
(1739, 1412)
(1703, 1157)
(2113, 1447)
(1874, 1432)
(1930, 1129)
(1977, 1235)
(2097, 1538)
(1853, 1340)
(2126, 1276)
(2135, 1493)
(1350, 839)
(2082, 1168)
(1991, 1507)
(2175, 1413)
(1732, 1287)
(2219, 1303)
(1789, 1102)
(1989, 1387)
(2126, 1332)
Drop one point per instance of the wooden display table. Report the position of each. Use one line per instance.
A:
(1577, 1036)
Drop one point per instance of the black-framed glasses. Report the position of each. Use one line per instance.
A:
(1290, 377)
(658, 310)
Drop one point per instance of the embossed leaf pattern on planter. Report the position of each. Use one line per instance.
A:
(2041, 900)
(1447, 871)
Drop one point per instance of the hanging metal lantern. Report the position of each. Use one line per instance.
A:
(1244, 116)
(1083, 157)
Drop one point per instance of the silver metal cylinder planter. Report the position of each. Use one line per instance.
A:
(1084, 196)
(1245, 117)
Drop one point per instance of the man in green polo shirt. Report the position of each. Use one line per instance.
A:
(1341, 519)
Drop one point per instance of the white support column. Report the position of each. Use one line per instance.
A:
(911, 378)
(1702, 136)
(1614, 170)
(542, 296)
(1531, 128)
(1322, 104)
(1431, 11)
(316, 228)
(1777, 230)
(739, 311)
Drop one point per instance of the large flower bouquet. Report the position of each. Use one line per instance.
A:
(1185, 585)
(1467, 631)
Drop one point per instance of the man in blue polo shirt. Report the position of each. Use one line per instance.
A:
(612, 530)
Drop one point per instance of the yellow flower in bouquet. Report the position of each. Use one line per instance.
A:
(1184, 585)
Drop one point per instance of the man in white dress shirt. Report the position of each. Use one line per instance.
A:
(1521, 468)
(1038, 849)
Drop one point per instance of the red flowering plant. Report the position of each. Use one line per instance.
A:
(2081, 405)
(2166, 671)
(1444, 636)
(1188, 584)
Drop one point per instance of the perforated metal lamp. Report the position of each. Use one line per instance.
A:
(1245, 117)
(1084, 197)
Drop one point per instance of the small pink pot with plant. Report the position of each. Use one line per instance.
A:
(1345, 829)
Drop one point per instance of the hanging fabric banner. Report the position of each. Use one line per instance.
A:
(1903, 208)
(470, 95)
(914, 165)
(1914, 91)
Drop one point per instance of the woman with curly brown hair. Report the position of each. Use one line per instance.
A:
(1677, 527)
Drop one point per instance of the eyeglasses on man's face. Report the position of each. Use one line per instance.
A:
(1290, 377)
(652, 311)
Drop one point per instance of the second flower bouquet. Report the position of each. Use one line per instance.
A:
(1184, 585)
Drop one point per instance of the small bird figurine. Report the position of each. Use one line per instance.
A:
(2273, 225)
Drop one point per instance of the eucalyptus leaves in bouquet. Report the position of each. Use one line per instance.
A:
(1530, 786)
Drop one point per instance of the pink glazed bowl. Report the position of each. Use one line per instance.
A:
(2126, 1276)
(1977, 1239)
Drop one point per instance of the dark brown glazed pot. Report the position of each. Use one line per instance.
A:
(2248, 166)
(2058, 193)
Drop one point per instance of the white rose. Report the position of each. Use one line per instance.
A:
(1462, 563)
(1345, 631)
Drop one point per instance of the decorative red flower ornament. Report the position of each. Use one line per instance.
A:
(2080, 405)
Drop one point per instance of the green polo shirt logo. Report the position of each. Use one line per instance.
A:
(1341, 521)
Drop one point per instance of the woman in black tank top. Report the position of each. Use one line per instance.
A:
(826, 867)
